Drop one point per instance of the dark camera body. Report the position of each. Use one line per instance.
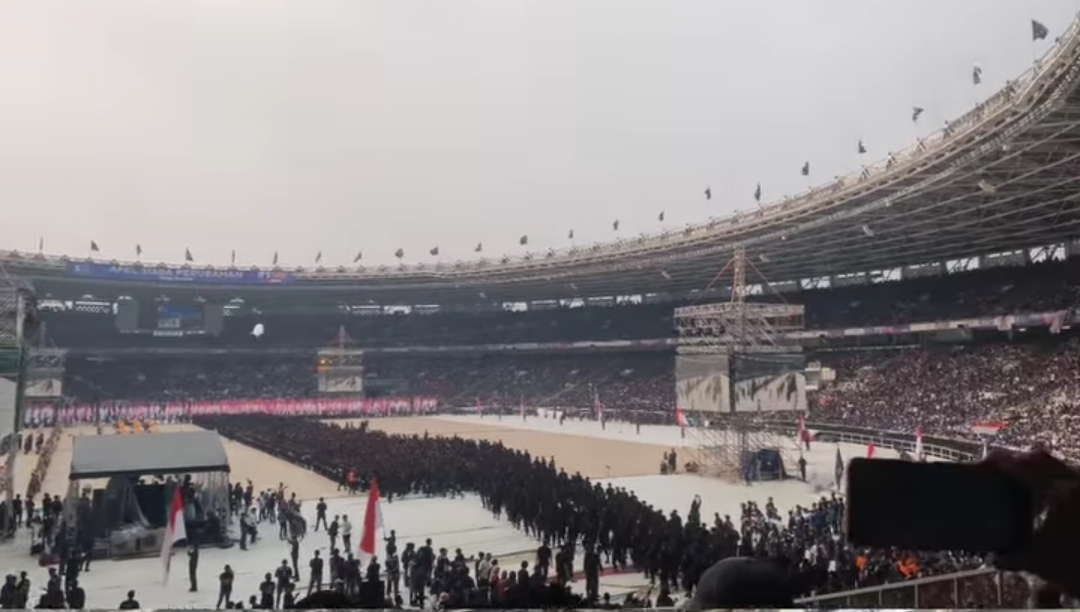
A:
(969, 507)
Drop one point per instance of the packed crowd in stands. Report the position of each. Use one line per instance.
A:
(943, 390)
(995, 291)
(1033, 389)
(205, 377)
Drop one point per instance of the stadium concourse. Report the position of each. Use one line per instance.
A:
(619, 454)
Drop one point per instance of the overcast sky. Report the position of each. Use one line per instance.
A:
(341, 125)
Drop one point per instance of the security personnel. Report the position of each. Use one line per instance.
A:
(193, 566)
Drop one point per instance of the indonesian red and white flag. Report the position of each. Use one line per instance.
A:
(174, 531)
(918, 444)
(373, 523)
(870, 448)
(680, 417)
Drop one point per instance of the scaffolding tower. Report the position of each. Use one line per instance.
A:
(341, 367)
(18, 317)
(720, 439)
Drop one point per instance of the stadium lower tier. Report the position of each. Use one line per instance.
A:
(1031, 387)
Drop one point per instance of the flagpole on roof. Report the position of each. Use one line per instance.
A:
(1038, 32)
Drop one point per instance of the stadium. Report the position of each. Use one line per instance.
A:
(924, 307)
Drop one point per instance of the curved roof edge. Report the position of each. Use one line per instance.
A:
(1016, 99)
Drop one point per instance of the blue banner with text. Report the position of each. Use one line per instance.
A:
(179, 275)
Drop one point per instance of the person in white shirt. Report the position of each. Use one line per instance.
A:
(346, 533)
(483, 571)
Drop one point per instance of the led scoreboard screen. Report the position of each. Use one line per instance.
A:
(179, 317)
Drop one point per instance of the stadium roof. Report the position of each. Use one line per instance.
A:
(1004, 176)
(131, 455)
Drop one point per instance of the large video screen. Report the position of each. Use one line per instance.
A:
(769, 382)
(702, 383)
(179, 317)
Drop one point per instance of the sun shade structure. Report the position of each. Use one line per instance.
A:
(164, 453)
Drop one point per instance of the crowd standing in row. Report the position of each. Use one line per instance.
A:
(566, 512)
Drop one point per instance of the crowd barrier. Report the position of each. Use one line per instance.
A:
(981, 588)
(45, 415)
(950, 449)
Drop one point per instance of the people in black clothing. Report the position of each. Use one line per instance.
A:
(76, 596)
(373, 570)
(332, 531)
(266, 592)
(393, 575)
(391, 543)
(288, 602)
(193, 567)
(8, 592)
(225, 586)
(543, 559)
(592, 574)
(246, 528)
(294, 554)
(130, 603)
(320, 513)
(22, 592)
(284, 576)
(335, 565)
(315, 573)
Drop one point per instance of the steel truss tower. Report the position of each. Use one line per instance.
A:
(734, 328)
(18, 314)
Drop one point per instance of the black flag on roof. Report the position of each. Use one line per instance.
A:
(479, 247)
(661, 217)
(976, 75)
(708, 193)
(94, 246)
(615, 225)
(188, 256)
(916, 112)
(1038, 30)
(399, 253)
(757, 193)
(434, 251)
(524, 240)
(862, 147)
(359, 256)
(806, 169)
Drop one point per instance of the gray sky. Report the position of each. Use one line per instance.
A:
(263, 125)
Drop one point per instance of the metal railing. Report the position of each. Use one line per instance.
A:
(981, 588)
(950, 449)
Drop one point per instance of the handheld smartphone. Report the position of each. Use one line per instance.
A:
(968, 507)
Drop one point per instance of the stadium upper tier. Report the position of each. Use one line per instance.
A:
(1004, 176)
